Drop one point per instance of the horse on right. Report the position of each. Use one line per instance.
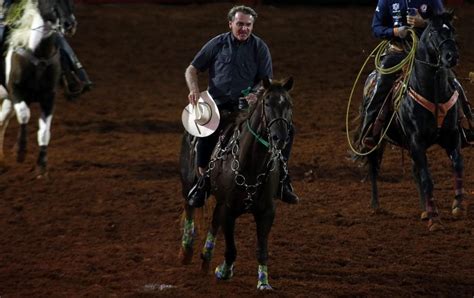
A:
(427, 115)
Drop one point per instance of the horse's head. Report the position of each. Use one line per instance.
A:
(438, 40)
(60, 12)
(277, 110)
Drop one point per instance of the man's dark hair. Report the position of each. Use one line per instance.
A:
(243, 9)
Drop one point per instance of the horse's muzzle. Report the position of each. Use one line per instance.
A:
(449, 59)
(70, 26)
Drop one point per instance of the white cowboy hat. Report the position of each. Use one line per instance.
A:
(202, 119)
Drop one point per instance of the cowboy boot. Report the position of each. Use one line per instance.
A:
(74, 77)
(286, 192)
(198, 194)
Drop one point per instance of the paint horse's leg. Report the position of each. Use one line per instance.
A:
(264, 224)
(226, 269)
(189, 233)
(23, 116)
(430, 213)
(460, 204)
(208, 249)
(6, 114)
(44, 136)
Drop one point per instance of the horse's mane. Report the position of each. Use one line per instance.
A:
(244, 115)
(21, 27)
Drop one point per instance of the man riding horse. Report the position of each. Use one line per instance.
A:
(237, 62)
(392, 20)
(74, 77)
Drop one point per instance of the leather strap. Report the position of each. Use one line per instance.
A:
(443, 108)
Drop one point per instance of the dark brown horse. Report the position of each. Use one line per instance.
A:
(428, 115)
(245, 175)
(33, 70)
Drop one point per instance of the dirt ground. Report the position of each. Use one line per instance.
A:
(107, 221)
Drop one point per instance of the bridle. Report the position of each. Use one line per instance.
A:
(437, 47)
(267, 126)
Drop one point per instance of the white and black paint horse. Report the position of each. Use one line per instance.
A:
(32, 70)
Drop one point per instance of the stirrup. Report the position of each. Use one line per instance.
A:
(287, 194)
(198, 194)
(369, 142)
(69, 90)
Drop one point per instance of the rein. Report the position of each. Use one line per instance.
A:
(257, 136)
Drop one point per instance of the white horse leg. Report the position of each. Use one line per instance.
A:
(44, 135)
(44, 130)
(23, 116)
(5, 115)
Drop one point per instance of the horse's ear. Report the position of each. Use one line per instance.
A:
(288, 84)
(266, 83)
(450, 14)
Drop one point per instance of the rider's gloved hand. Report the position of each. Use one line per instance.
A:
(401, 32)
(416, 20)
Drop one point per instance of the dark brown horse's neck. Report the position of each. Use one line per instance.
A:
(253, 155)
(431, 80)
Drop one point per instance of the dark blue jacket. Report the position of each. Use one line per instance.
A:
(393, 13)
(233, 66)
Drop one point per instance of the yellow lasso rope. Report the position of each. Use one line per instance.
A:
(407, 61)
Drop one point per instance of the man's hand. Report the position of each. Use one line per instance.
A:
(251, 98)
(193, 97)
(416, 21)
(401, 32)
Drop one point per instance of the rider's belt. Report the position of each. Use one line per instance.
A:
(443, 108)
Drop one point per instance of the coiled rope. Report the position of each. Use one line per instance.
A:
(407, 62)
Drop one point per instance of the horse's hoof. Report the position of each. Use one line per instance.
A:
(44, 176)
(42, 173)
(459, 209)
(264, 287)
(224, 272)
(435, 225)
(424, 215)
(186, 255)
(379, 211)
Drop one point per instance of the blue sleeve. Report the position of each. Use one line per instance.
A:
(203, 59)
(438, 7)
(381, 22)
(265, 68)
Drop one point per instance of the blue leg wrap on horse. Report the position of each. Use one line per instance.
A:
(262, 276)
(208, 248)
(224, 271)
(188, 234)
